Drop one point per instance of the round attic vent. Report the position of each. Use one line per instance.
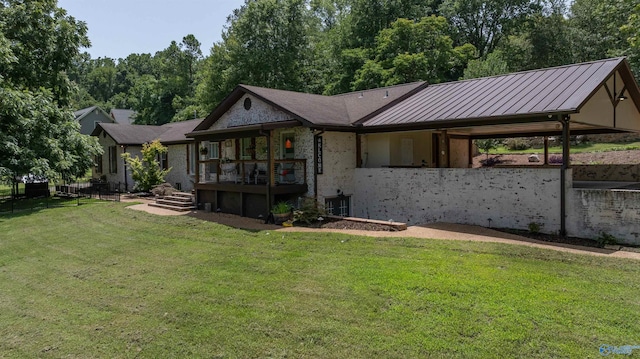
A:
(247, 104)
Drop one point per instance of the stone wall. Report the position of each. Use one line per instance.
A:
(509, 198)
(618, 173)
(614, 212)
(339, 152)
(260, 112)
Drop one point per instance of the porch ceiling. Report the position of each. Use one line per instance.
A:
(546, 128)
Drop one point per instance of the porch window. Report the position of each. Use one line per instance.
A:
(248, 148)
(214, 150)
(113, 159)
(288, 146)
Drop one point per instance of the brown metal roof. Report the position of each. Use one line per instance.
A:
(519, 95)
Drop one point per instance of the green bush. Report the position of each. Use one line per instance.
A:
(309, 212)
(517, 144)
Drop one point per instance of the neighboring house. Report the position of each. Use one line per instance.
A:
(404, 152)
(116, 139)
(123, 116)
(90, 117)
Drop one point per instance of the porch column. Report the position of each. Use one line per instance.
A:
(270, 170)
(196, 155)
(546, 150)
(564, 120)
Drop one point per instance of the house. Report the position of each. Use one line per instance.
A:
(90, 117)
(117, 138)
(404, 152)
(123, 116)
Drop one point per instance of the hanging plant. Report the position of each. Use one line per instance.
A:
(204, 151)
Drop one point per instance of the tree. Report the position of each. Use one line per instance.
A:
(146, 171)
(483, 23)
(38, 133)
(493, 65)
(487, 145)
(413, 51)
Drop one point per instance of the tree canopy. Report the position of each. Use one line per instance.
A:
(336, 46)
(38, 132)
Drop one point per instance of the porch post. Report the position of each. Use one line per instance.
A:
(546, 150)
(196, 155)
(270, 170)
(563, 174)
(470, 148)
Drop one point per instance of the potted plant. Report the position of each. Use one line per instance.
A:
(204, 151)
(281, 212)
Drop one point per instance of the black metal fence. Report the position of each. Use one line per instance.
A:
(67, 194)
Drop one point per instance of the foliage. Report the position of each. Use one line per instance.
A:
(605, 238)
(555, 159)
(517, 144)
(490, 162)
(534, 227)
(281, 208)
(38, 135)
(411, 51)
(150, 282)
(146, 171)
(309, 212)
(493, 65)
(487, 145)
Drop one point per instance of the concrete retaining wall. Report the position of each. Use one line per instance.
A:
(596, 211)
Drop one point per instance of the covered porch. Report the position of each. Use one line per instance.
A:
(246, 170)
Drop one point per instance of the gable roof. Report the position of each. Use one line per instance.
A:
(131, 135)
(80, 114)
(318, 110)
(123, 116)
(531, 94)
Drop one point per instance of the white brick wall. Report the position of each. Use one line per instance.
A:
(511, 198)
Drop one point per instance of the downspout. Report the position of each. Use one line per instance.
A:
(126, 181)
(315, 163)
(564, 120)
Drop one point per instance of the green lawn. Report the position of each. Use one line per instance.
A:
(100, 280)
(581, 148)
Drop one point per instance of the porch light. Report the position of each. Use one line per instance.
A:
(622, 97)
(288, 144)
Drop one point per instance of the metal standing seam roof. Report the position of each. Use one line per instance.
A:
(555, 90)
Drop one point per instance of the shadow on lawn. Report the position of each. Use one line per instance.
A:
(477, 230)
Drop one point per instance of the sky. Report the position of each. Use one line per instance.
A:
(118, 28)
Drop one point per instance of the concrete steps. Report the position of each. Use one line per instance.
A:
(178, 201)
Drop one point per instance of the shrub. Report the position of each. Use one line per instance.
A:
(517, 144)
(146, 171)
(555, 159)
(281, 208)
(606, 238)
(309, 212)
(490, 162)
(534, 227)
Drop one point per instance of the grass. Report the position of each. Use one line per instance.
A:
(100, 280)
(581, 148)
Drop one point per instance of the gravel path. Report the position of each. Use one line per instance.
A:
(448, 231)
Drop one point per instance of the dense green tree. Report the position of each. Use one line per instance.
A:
(631, 31)
(483, 23)
(146, 171)
(38, 134)
(493, 65)
(411, 51)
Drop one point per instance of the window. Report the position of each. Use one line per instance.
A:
(113, 159)
(288, 146)
(338, 206)
(214, 150)
(247, 148)
(163, 160)
(98, 161)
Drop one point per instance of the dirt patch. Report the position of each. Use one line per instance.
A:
(359, 226)
(553, 238)
(611, 157)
